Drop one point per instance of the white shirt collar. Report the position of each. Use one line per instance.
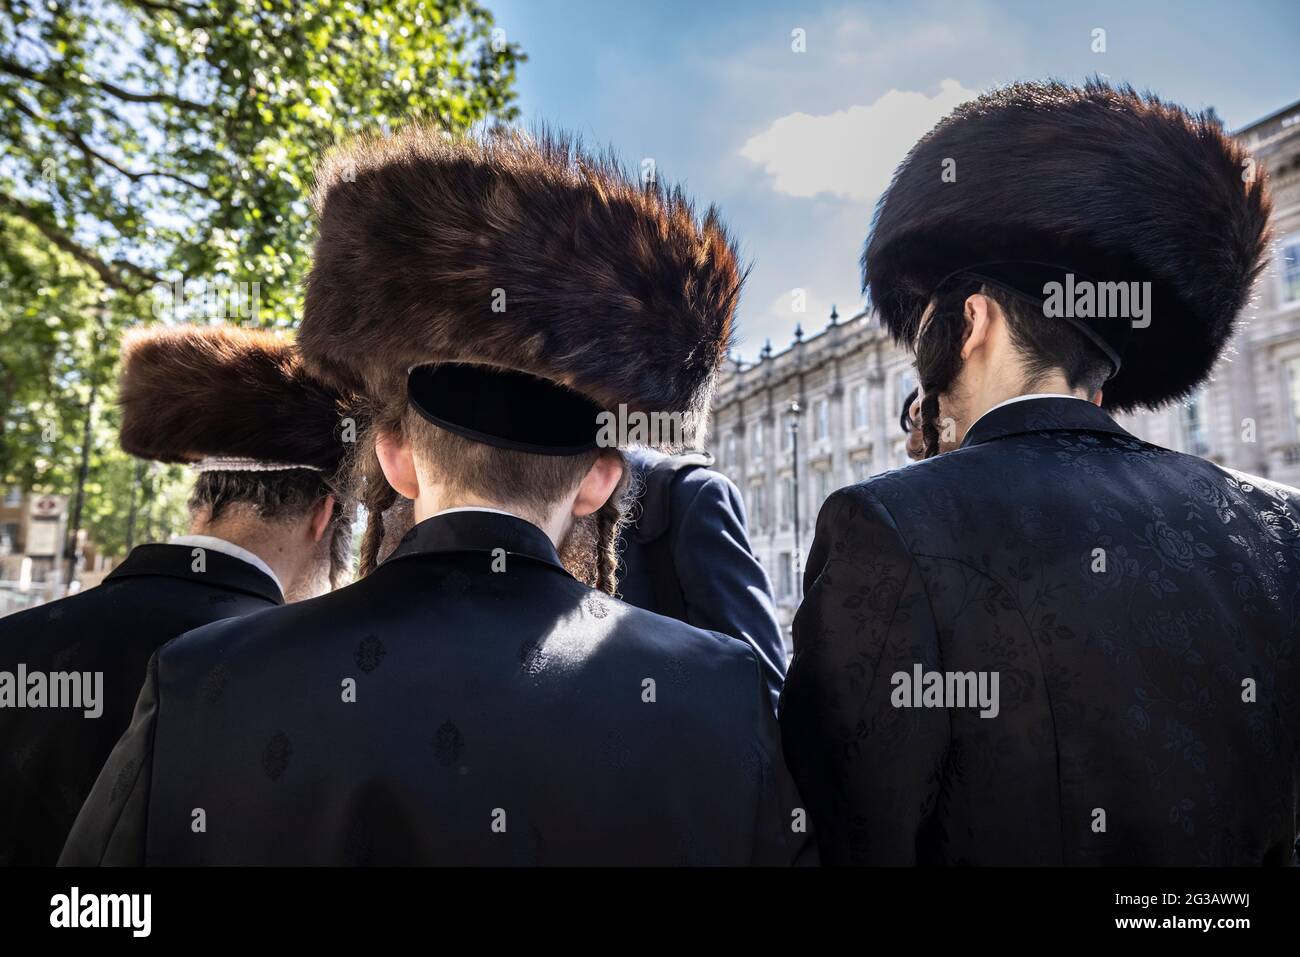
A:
(1022, 398)
(231, 549)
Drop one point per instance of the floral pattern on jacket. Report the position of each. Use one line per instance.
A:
(1140, 608)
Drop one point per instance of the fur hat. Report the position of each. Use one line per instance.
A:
(192, 392)
(1116, 185)
(519, 252)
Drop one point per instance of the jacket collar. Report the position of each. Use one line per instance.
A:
(655, 472)
(477, 531)
(219, 570)
(1048, 414)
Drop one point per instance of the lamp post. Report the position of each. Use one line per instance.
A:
(794, 433)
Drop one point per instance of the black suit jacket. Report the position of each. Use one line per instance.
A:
(467, 703)
(1141, 608)
(686, 554)
(49, 757)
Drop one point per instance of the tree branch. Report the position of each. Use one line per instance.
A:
(17, 69)
(109, 272)
(76, 139)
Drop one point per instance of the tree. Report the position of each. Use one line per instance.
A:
(155, 159)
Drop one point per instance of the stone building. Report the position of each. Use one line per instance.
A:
(33, 540)
(849, 381)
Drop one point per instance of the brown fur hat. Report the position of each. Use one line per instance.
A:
(192, 391)
(610, 287)
(1113, 183)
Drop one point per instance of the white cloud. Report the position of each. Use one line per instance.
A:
(806, 307)
(853, 152)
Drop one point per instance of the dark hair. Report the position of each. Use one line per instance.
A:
(1045, 346)
(281, 495)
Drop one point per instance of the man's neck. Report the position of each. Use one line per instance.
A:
(996, 393)
(278, 558)
(430, 504)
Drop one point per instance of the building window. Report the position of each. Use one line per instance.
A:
(13, 496)
(1293, 390)
(787, 499)
(821, 420)
(757, 506)
(861, 469)
(1196, 439)
(787, 433)
(784, 577)
(1290, 269)
(860, 418)
(822, 485)
(906, 383)
(729, 451)
(756, 441)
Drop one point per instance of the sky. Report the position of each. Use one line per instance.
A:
(794, 147)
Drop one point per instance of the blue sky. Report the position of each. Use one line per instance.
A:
(794, 148)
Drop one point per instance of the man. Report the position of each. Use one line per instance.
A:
(471, 701)
(266, 521)
(1057, 644)
(686, 555)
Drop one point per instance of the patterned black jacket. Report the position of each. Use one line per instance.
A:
(1141, 609)
(50, 757)
(469, 702)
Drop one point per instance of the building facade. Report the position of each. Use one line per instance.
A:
(33, 529)
(33, 541)
(849, 382)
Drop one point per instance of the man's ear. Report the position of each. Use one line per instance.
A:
(598, 484)
(320, 520)
(398, 464)
(978, 312)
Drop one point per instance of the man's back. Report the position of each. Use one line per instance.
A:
(439, 712)
(1139, 608)
(686, 554)
(50, 756)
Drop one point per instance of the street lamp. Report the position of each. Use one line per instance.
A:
(794, 434)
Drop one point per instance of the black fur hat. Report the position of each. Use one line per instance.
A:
(1116, 185)
(520, 252)
(194, 392)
